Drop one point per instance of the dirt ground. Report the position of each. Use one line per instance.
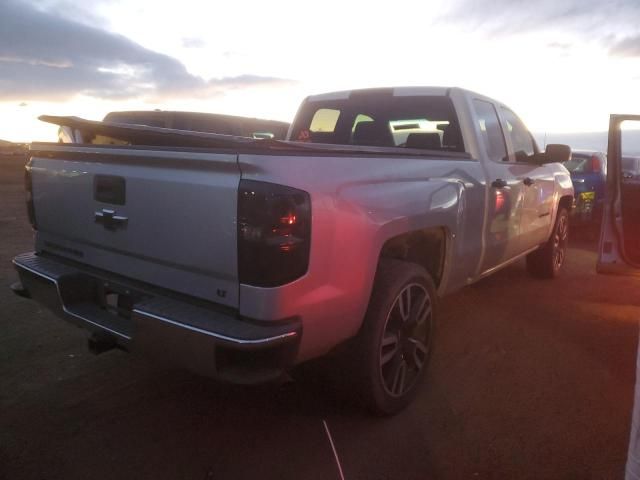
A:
(530, 379)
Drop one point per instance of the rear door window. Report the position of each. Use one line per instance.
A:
(521, 139)
(490, 131)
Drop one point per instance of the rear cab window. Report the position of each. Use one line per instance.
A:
(422, 122)
(322, 127)
(325, 120)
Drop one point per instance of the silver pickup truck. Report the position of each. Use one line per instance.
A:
(240, 258)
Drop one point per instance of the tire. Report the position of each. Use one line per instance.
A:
(547, 261)
(394, 344)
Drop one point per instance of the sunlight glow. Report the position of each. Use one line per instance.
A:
(553, 89)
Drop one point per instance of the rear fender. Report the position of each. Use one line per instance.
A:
(374, 200)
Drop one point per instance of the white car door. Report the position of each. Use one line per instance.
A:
(619, 250)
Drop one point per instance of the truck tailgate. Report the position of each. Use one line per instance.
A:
(165, 217)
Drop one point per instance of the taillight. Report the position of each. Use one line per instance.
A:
(274, 233)
(595, 164)
(28, 186)
(500, 202)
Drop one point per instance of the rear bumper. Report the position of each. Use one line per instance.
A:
(206, 339)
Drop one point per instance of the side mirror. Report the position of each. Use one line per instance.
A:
(557, 153)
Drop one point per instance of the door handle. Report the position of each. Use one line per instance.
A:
(528, 181)
(499, 183)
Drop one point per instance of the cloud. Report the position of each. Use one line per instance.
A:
(627, 47)
(87, 12)
(193, 42)
(47, 57)
(559, 45)
(585, 17)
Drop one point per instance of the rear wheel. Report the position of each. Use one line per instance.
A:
(547, 261)
(394, 345)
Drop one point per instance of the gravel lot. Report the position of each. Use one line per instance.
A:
(529, 379)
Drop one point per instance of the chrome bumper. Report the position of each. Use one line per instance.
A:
(207, 339)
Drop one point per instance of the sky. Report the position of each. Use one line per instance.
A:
(562, 65)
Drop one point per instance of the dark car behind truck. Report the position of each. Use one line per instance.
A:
(589, 175)
(204, 122)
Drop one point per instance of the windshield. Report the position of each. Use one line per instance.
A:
(579, 163)
(425, 122)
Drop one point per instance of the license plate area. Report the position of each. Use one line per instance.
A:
(588, 196)
(586, 201)
(114, 299)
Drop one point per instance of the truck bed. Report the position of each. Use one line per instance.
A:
(158, 205)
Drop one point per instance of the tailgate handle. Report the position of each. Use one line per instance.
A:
(109, 219)
(109, 189)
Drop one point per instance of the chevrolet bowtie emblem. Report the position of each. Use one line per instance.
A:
(109, 219)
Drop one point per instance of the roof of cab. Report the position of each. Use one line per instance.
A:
(395, 91)
(399, 92)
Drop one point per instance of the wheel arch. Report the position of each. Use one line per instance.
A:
(427, 247)
(566, 201)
